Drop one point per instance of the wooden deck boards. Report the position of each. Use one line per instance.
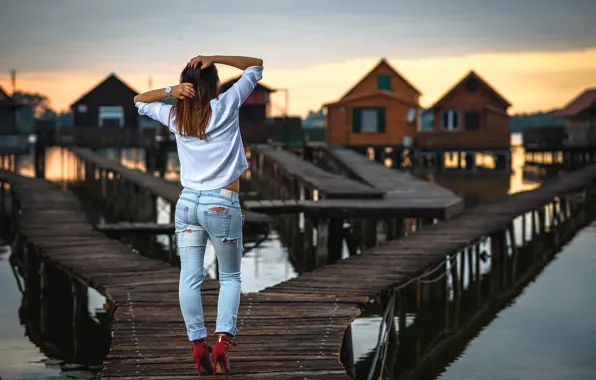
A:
(395, 183)
(158, 186)
(406, 207)
(292, 330)
(403, 194)
(329, 184)
(128, 228)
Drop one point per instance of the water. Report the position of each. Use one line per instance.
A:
(548, 332)
(270, 263)
(48, 357)
(18, 357)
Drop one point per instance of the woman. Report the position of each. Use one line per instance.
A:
(212, 159)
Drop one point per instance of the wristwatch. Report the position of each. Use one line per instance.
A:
(169, 90)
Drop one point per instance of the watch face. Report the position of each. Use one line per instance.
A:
(169, 90)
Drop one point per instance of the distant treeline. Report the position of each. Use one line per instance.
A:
(519, 122)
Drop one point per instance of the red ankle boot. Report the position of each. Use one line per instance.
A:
(201, 353)
(220, 355)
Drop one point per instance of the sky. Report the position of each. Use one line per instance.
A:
(537, 53)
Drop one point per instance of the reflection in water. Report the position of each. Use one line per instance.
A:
(64, 320)
(427, 335)
(473, 189)
(549, 331)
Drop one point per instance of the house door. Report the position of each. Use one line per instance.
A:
(111, 116)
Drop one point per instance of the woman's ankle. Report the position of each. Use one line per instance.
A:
(226, 336)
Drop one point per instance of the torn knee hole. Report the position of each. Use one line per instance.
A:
(226, 240)
(218, 209)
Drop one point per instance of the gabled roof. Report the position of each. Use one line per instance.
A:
(3, 94)
(229, 83)
(482, 82)
(368, 95)
(583, 101)
(383, 61)
(110, 77)
(7, 100)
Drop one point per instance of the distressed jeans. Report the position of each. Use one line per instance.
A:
(213, 215)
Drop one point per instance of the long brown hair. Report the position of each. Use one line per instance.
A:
(192, 115)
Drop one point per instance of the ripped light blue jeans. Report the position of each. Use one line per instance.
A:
(213, 215)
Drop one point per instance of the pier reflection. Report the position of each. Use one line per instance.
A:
(69, 322)
(427, 323)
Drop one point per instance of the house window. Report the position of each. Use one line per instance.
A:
(450, 120)
(384, 82)
(82, 108)
(472, 120)
(111, 116)
(369, 120)
(472, 85)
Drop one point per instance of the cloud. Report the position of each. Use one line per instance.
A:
(531, 81)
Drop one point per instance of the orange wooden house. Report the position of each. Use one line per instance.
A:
(381, 109)
(471, 115)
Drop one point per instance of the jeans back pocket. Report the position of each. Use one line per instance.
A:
(218, 223)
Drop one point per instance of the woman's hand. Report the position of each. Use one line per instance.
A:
(204, 60)
(183, 91)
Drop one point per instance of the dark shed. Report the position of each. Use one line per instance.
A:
(257, 108)
(109, 104)
(8, 113)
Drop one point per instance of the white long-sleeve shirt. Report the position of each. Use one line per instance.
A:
(220, 159)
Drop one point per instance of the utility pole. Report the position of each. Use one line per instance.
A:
(13, 80)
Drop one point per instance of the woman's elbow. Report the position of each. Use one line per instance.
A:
(136, 99)
(259, 62)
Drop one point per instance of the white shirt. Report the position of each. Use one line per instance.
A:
(220, 159)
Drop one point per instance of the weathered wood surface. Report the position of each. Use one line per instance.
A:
(406, 207)
(292, 330)
(395, 183)
(131, 228)
(403, 195)
(328, 184)
(157, 186)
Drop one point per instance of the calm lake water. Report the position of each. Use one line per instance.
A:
(546, 333)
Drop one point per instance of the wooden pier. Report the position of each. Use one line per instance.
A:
(292, 169)
(126, 187)
(125, 228)
(293, 330)
(397, 194)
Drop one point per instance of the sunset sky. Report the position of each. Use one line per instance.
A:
(537, 53)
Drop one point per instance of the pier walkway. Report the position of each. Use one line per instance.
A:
(395, 183)
(292, 330)
(328, 184)
(157, 186)
(403, 195)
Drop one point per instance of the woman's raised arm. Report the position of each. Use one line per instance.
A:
(180, 91)
(238, 62)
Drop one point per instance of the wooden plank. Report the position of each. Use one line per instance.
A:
(329, 184)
